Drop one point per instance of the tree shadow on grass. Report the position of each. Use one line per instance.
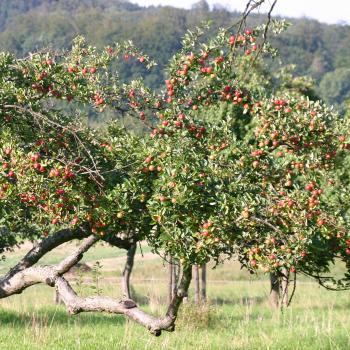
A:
(239, 301)
(48, 316)
(325, 306)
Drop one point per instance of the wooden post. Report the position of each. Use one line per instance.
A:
(170, 286)
(196, 284)
(284, 287)
(204, 284)
(175, 279)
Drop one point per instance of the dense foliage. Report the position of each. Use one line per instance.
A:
(195, 189)
(319, 50)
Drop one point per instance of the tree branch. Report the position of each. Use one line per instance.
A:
(16, 282)
(124, 243)
(262, 221)
(74, 258)
(44, 246)
(49, 243)
(265, 32)
(126, 307)
(23, 277)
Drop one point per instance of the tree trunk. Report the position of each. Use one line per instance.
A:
(274, 291)
(196, 284)
(170, 285)
(204, 284)
(175, 279)
(284, 287)
(127, 271)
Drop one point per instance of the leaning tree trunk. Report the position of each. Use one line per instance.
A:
(170, 285)
(196, 284)
(274, 291)
(175, 278)
(204, 284)
(126, 290)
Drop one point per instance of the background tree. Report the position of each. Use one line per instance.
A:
(335, 86)
(315, 48)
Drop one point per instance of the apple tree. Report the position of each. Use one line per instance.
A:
(192, 188)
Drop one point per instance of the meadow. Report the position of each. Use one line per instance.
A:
(237, 315)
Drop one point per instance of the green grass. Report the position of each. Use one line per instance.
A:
(238, 316)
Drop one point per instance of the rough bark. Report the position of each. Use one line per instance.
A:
(53, 276)
(127, 307)
(204, 284)
(177, 299)
(49, 243)
(44, 246)
(127, 271)
(15, 283)
(196, 285)
(274, 291)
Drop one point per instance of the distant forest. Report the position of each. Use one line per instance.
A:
(316, 49)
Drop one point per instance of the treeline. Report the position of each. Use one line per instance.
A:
(316, 49)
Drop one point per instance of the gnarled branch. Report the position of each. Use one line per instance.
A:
(124, 243)
(23, 277)
(16, 282)
(51, 242)
(126, 307)
(44, 246)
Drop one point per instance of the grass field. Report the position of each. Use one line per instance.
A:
(237, 317)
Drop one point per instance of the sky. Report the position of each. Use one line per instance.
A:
(335, 11)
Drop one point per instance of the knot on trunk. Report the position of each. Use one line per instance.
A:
(50, 281)
(156, 332)
(128, 303)
(73, 310)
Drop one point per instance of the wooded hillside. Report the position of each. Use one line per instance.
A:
(317, 49)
